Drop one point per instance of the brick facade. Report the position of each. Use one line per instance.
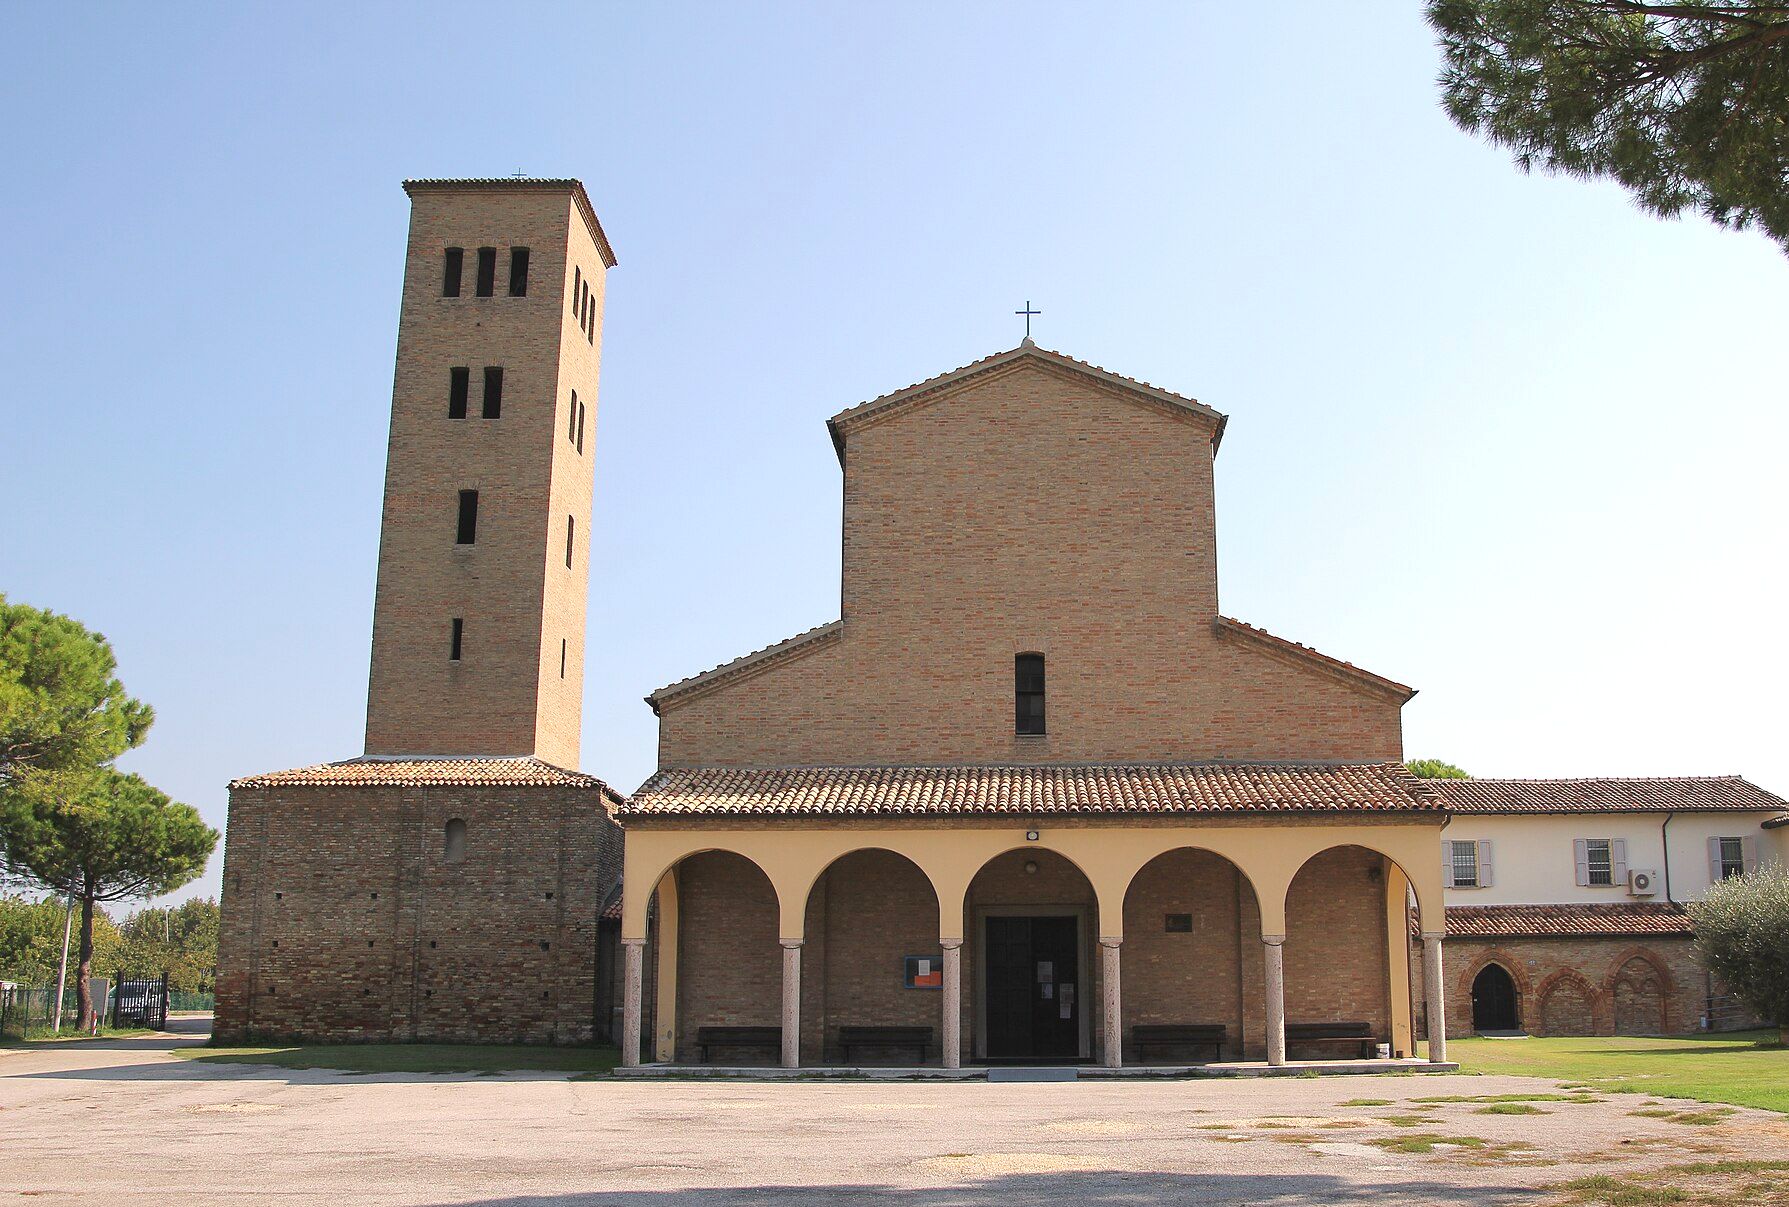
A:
(1032, 511)
(343, 919)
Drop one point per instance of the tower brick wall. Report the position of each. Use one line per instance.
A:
(506, 695)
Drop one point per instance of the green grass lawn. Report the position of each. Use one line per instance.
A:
(1737, 1068)
(413, 1058)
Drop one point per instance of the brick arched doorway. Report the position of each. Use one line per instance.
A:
(1495, 1004)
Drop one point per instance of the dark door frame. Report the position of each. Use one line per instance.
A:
(1083, 916)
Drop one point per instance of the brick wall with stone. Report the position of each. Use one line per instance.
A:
(344, 920)
(1032, 511)
(1632, 985)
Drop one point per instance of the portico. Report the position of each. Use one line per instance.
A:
(804, 899)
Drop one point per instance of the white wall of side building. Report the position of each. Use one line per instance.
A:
(1532, 857)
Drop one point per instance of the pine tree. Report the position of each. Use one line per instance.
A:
(1685, 103)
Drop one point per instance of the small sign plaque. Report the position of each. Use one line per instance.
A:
(924, 972)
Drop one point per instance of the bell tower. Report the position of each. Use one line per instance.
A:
(478, 618)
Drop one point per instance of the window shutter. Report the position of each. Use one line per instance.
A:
(1484, 863)
(1714, 861)
(1748, 854)
(1581, 856)
(1618, 858)
(1447, 863)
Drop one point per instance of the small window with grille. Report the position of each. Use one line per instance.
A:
(1464, 864)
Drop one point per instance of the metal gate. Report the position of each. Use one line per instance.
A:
(141, 1003)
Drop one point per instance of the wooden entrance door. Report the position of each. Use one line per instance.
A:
(1034, 990)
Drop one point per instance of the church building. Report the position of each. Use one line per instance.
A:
(1032, 798)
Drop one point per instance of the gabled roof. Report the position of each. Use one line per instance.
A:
(851, 417)
(423, 771)
(522, 184)
(750, 664)
(1304, 655)
(1028, 790)
(1692, 794)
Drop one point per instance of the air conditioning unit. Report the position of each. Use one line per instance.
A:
(1642, 883)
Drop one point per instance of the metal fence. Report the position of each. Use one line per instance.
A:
(28, 1010)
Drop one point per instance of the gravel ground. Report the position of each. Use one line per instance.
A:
(111, 1121)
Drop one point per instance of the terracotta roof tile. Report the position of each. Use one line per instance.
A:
(1711, 793)
(1602, 919)
(424, 772)
(1030, 790)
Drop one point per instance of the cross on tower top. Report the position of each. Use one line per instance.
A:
(1028, 312)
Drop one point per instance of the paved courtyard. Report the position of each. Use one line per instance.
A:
(116, 1121)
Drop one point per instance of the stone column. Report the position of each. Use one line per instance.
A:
(1432, 996)
(791, 1003)
(1276, 999)
(952, 1048)
(1113, 1002)
(633, 990)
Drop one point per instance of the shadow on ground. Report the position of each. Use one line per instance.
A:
(1113, 1189)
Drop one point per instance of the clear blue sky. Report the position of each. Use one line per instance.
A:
(1501, 437)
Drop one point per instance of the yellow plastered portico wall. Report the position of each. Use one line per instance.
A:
(1109, 856)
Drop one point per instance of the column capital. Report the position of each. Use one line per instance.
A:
(791, 944)
(1273, 940)
(626, 942)
(950, 944)
(1111, 941)
(1434, 935)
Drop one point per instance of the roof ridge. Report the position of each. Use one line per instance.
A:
(1587, 779)
(995, 360)
(713, 673)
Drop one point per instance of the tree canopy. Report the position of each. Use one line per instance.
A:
(102, 835)
(1685, 103)
(1435, 769)
(1742, 935)
(61, 704)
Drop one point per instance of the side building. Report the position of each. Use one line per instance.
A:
(1566, 899)
(451, 882)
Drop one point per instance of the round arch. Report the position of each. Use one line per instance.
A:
(1639, 988)
(819, 873)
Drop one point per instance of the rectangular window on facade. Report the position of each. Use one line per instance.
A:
(571, 421)
(562, 657)
(455, 260)
(487, 271)
(577, 287)
(580, 427)
(493, 405)
(1466, 863)
(571, 524)
(467, 532)
(518, 272)
(459, 386)
(1028, 693)
(1600, 861)
(1731, 857)
(453, 647)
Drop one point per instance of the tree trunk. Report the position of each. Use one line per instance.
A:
(84, 991)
